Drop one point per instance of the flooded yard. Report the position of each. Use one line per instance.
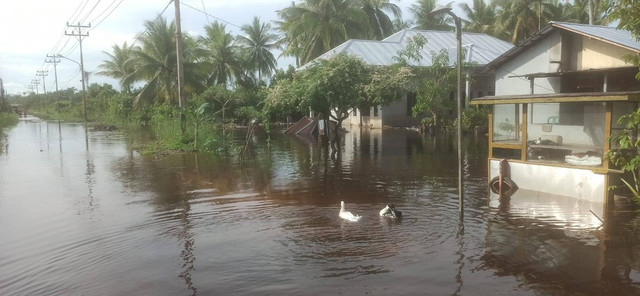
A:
(83, 214)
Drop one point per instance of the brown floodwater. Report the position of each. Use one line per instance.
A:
(83, 214)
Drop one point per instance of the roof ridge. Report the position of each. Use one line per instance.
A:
(584, 25)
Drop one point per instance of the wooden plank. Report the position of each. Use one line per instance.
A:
(556, 99)
(525, 122)
(595, 170)
(507, 146)
(490, 117)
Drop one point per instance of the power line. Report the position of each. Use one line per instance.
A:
(108, 14)
(213, 16)
(90, 11)
(78, 33)
(80, 12)
(205, 11)
(155, 20)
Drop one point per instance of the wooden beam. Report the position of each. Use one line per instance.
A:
(517, 146)
(566, 98)
(525, 122)
(490, 117)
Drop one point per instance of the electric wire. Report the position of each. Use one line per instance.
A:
(205, 12)
(213, 16)
(90, 11)
(108, 14)
(154, 20)
(79, 13)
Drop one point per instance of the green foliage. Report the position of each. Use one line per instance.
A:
(412, 51)
(257, 46)
(387, 84)
(313, 27)
(336, 85)
(473, 117)
(628, 13)
(433, 94)
(284, 99)
(626, 156)
(426, 21)
(8, 119)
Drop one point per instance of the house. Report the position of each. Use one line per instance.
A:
(558, 97)
(480, 49)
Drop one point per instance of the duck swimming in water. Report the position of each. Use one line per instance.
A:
(390, 212)
(348, 215)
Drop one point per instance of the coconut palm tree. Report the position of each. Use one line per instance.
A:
(480, 18)
(155, 63)
(426, 21)
(517, 20)
(222, 54)
(316, 26)
(578, 12)
(380, 24)
(120, 66)
(257, 46)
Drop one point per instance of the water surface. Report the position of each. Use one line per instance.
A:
(83, 214)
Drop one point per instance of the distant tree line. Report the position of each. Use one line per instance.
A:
(232, 79)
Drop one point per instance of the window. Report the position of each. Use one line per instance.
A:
(355, 111)
(375, 111)
(568, 133)
(506, 123)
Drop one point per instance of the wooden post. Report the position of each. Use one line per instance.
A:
(523, 152)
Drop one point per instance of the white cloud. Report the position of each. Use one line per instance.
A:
(31, 29)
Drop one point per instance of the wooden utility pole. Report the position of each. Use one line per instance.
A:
(79, 34)
(43, 73)
(55, 62)
(35, 83)
(2, 95)
(181, 98)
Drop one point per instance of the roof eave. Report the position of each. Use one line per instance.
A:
(628, 96)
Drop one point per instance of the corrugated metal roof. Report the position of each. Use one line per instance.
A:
(610, 34)
(483, 48)
(607, 34)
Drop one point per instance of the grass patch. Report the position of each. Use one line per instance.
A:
(8, 119)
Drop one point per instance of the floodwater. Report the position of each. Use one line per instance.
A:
(83, 214)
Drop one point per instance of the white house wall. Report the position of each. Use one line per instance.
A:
(395, 114)
(596, 54)
(536, 59)
(582, 184)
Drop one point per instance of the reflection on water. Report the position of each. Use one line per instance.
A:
(81, 214)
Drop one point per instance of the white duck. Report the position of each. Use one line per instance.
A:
(390, 212)
(348, 215)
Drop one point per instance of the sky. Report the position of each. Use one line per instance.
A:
(33, 29)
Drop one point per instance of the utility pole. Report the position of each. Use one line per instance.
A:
(35, 83)
(55, 62)
(2, 95)
(79, 34)
(43, 73)
(181, 98)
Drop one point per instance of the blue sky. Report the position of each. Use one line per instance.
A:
(31, 29)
